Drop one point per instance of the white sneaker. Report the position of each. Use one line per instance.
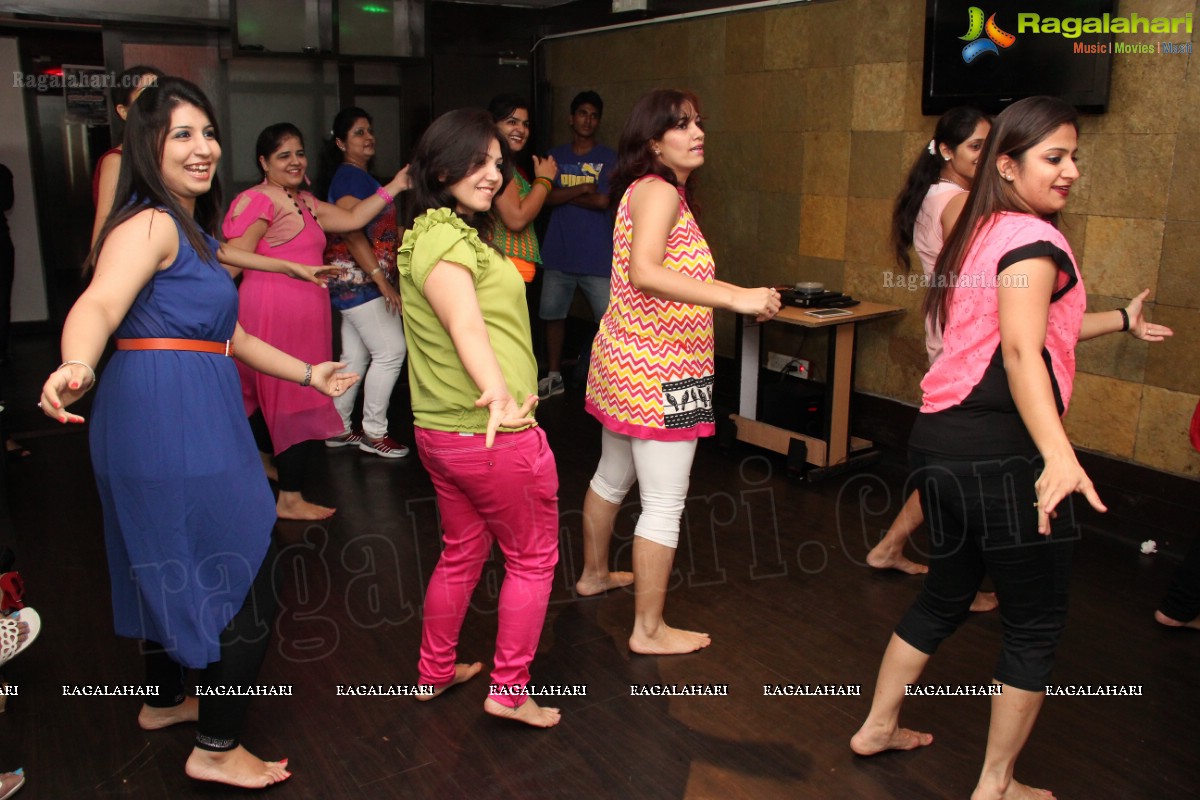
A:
(351, 439)
(549, 387)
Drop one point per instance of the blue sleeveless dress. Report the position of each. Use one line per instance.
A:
(188, 512)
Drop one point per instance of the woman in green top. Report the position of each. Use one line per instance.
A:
(519, 204)
(469, 362)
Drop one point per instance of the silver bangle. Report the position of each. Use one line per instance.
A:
(374, 272)
(85, 366)
(307, 375)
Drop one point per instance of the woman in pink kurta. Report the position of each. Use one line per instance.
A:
(279, 219)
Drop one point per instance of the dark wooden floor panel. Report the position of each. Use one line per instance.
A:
(770, 567)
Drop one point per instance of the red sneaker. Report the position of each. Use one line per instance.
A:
(350, 439)
(386, 447)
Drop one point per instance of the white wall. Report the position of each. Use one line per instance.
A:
(29, 289)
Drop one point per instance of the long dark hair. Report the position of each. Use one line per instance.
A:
(655, 113)
(1014, 131)
(140, 183)
(953, 128)
(269, 140)
(333, 156)
(453, 147)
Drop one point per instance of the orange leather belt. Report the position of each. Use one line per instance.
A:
(193, 345)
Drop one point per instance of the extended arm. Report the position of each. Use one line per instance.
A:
(235, 259)
(132, 253)
(335, 219)
(1024, 306)
(1102, 322)
(269, 360)
(654, 208)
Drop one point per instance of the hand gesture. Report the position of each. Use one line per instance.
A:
(763, 302)
(545, 167)
(401, 183)
(65, 385)
(1059, 478)
(328, 381)
(391, 298)
(305, 272)
(1139, 326)
(503, 412)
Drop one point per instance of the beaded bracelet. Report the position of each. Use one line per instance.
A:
(1124, 319)
(85, 366)
(307, 375)
(383, 193)
(542, 179)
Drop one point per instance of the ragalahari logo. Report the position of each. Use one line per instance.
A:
(976, 27)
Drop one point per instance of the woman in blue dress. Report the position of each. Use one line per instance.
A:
(187, 510)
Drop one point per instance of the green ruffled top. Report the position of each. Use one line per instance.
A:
(443, 394)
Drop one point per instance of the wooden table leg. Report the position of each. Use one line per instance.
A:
(841, 378)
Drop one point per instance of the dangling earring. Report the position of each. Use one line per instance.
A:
(946, 158)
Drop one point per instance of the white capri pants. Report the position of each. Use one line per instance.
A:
(662, 470)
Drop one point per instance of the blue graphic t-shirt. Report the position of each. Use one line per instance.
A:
(579, 240)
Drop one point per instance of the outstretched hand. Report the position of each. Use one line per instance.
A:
(304, 272)
(328, 381)
(65, 385)
(763, 302)
(1059, 479)
(1142, 328)
(503, 412)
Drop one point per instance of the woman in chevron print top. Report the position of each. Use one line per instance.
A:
(651, 377)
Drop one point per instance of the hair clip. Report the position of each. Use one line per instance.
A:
(932, 148)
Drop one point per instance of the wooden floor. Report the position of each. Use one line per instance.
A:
(772, 568)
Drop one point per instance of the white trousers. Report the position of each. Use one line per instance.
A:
(372, 346)
(662, 470)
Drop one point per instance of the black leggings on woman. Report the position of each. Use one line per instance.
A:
(983, 520)
(243, 646)
(291, 463)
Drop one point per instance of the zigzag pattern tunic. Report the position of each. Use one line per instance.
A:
(651, 374)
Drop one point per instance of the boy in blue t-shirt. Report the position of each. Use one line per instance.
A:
(577, 250)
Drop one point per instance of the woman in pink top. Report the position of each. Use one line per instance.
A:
(280, 219)
(925, 211)
(988, 448)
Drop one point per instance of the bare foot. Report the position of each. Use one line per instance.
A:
(587, 585)
(296, 507)
(868, 742)
(882, 557)
(984, 601)
(1163, 619)
(236, 767)
(1015, 791)
(153, 719)
(528, 712)
(667, 641)
(462, 674)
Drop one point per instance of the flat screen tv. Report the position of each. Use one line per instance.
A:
(990, 53)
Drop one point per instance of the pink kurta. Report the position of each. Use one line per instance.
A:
(290, 314)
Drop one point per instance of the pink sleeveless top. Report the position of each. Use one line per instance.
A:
(972, 330)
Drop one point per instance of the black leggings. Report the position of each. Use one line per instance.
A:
(1182, 603)
(982, 520)
(243, 646)
(291, 463)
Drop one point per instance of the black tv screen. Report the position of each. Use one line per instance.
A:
(990, 54)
